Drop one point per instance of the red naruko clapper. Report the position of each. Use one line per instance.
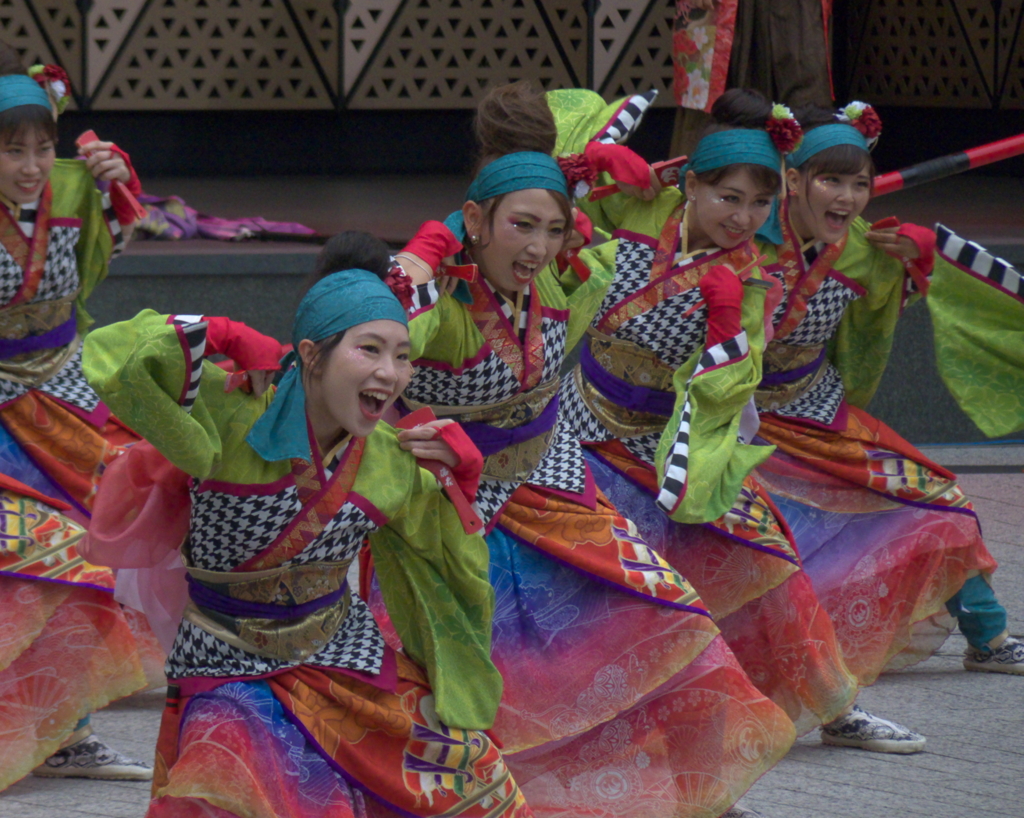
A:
(471, 521)
(117, 188)
(667, 173)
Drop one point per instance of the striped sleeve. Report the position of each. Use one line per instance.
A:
(627, 119)
(191, 330)
(674, 478)
(113, 225)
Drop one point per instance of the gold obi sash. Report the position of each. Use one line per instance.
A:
(779, 359)
(516, 462)
(36, 318)
(292, 639)
(633, 364)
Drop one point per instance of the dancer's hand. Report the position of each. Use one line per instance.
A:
(104, 164)
(887, 240)
(425, 442)
(260, 380)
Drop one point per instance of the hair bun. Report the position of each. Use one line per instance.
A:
(742, 108)
(513, 118)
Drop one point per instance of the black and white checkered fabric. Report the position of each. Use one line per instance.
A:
(673, 483)
(627, 120)
(663, 331)
(575, 415)
(644, 447)
(194, 348)
(491, 496)
(226, 530)
(978, 260)
(69, 385)
(562, 466)
(60, 275)
(488, 381)
(632, 269)
(554, 333)
(825, 310)
(821, 402)
(357, 645)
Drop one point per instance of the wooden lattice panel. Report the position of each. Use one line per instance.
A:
(62, 23)
(446, 53)
(916, 52)
(1011, 38)
(194, 54)
(319, 22)
(108, 23)
(567, 20)
(614, 23)
(646, 62)
(365, 24)
(19, 30)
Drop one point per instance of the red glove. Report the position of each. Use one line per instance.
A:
(723, 292)
(245, 346)
(123, 210)
(471, 462)
(570, 257)
(433, 243)
(921, 267)
(620, 163)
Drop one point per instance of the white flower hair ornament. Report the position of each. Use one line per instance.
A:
(56, 83)
(864, 118)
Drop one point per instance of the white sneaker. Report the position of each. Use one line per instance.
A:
(91, 758)
(1007, 658)
(863, 730)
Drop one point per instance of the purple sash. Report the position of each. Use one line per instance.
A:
(624, 394)
(57, 337)
(790, 375)
(491, 440)
(206, 597)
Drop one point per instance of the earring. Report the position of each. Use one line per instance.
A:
(474, 239)
(693, 198)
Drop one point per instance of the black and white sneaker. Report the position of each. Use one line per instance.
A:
(91, 758)
(863, 730)
(1007, 658)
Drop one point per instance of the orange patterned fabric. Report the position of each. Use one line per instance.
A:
(391, 741)
(30, 254)
(600, 542)
(526, 360)
(65, 651)
(870, 454)
(70, 450)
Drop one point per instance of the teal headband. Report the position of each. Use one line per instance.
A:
(19, 89)
(815, 141)
(824, 137)
(332, 305)
(523, 170)
(734, 147)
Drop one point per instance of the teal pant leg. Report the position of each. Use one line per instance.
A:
(978, 613)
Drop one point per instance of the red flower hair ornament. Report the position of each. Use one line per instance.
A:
(56, 83)
(784, 130)
(400, 284)
(864, 118)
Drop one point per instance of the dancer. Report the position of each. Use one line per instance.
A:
(284, 699)
(68, 648)
(661, 398)
(619, 693)
(888, 537)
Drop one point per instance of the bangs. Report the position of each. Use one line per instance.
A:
(840, 159)
(16, 122)
(766, 180)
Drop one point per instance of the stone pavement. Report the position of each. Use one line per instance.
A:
(973, 766)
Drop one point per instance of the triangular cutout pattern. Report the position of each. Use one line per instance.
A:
(916, 55)
(448, 53)
(319, 21)
(195, 54)
(365, 24)
(18, 29)
(613, 25)
(646, 62)
(568, 21)
(109, 22)
(62, 23)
